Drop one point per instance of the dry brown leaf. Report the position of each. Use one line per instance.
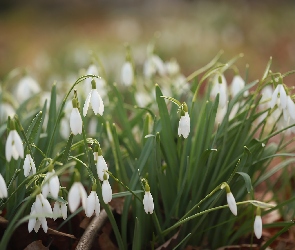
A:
(3, 221)
(168, 242)
(105, 242)
(36, 245)
(118, 204)
(85, 222)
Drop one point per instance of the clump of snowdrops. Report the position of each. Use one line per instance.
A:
(186, 164)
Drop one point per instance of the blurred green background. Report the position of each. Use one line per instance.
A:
(48, 37)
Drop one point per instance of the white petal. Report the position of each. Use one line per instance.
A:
(90, 204)
(127, 74)
(46, 205)
(38, 205)
(101, 166)
(45, 189)
(97, 205)
(37, 225)
(64, 211)
(54, 186)
(283, 96)
(101, 106)
(222, 96)
(74, 197)
(18, 143)
(8, 147)
(184, 125)
(44, 224)
(274, 97)
(231, 203)
(31, 224)
(3, 187)
(148, 203)
(106, 191)
(95, 101)
(86, 104)
(291, 107)
(258, 226)
(76, 122)
(56, 210)
(237, 85)
(83, 195)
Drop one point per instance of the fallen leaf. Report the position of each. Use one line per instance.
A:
(36, 245)
(168, 242)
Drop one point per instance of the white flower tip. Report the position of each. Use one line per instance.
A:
(258, 226)
(232, 203)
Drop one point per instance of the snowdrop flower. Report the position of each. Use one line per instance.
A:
(230, 199)
(101, 166)
(184, 125)
(26, 87)
(219, 87)
(76, 193)
(106, 190)
(290, 107)
(51, 184)
(75, 119)
(281, 101)
(172, 67)
(92, 204)
(59, 210)
(29, 166)
(258, 224)
(127, 74)
(95, 99)
(148, 201)
(237, 85)
(14, 146)
(153, 65)
(3, 188)
(5, 111)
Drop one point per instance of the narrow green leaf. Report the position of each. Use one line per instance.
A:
(247, 180)
(136, 244)
(266, 71)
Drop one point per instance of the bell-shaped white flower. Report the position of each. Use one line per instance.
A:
(219, 87)
(36, 222)
(92, 204)
(106, 190)
(75, 119)
(184, 125)
(14, 146)
(148, 202)
(232, 203)
(26, 87)
(59, 210)
(95, 99)
(5, 111)
(127, 74)
(50, 184)
(101, 167)
(3, 188)
(172, 67)
(29, 166)
(279, 97)
(76, 193)
(42, 205)
(153, 65)
(237, 85)
(258, 224)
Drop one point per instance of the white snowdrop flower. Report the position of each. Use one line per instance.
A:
(148, 201)
(219, 87)
(75, 119)
(95, 99)
(26, 87)
(50, 184)
(14, 146)
(59, 210)
(153, 65)
(231, 203)
(42, 205)
(3, 188)
(258, 223)
(65, 129)
(36, 222)
(106, 190)
(172, 67)
(221, 112)
(29, 166)
(265, 100)
(92, 204)
(127, 74)
(5, 111)
(237, 85)
(76, 193)
(282, 100)
(184, 125)
(101, 167)
(291, 107)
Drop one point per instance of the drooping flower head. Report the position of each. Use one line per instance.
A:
(92, 203)
(101, 165)
(51, 183)
(184, 122)
(106, 190)
(219, 87)
(148, 201)
(75, 119)
(258, 223)
(29, 165)
(14, 146)
(230, 199)
(127, 74)
(95, 99)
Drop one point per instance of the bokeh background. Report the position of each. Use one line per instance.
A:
(47, 37)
